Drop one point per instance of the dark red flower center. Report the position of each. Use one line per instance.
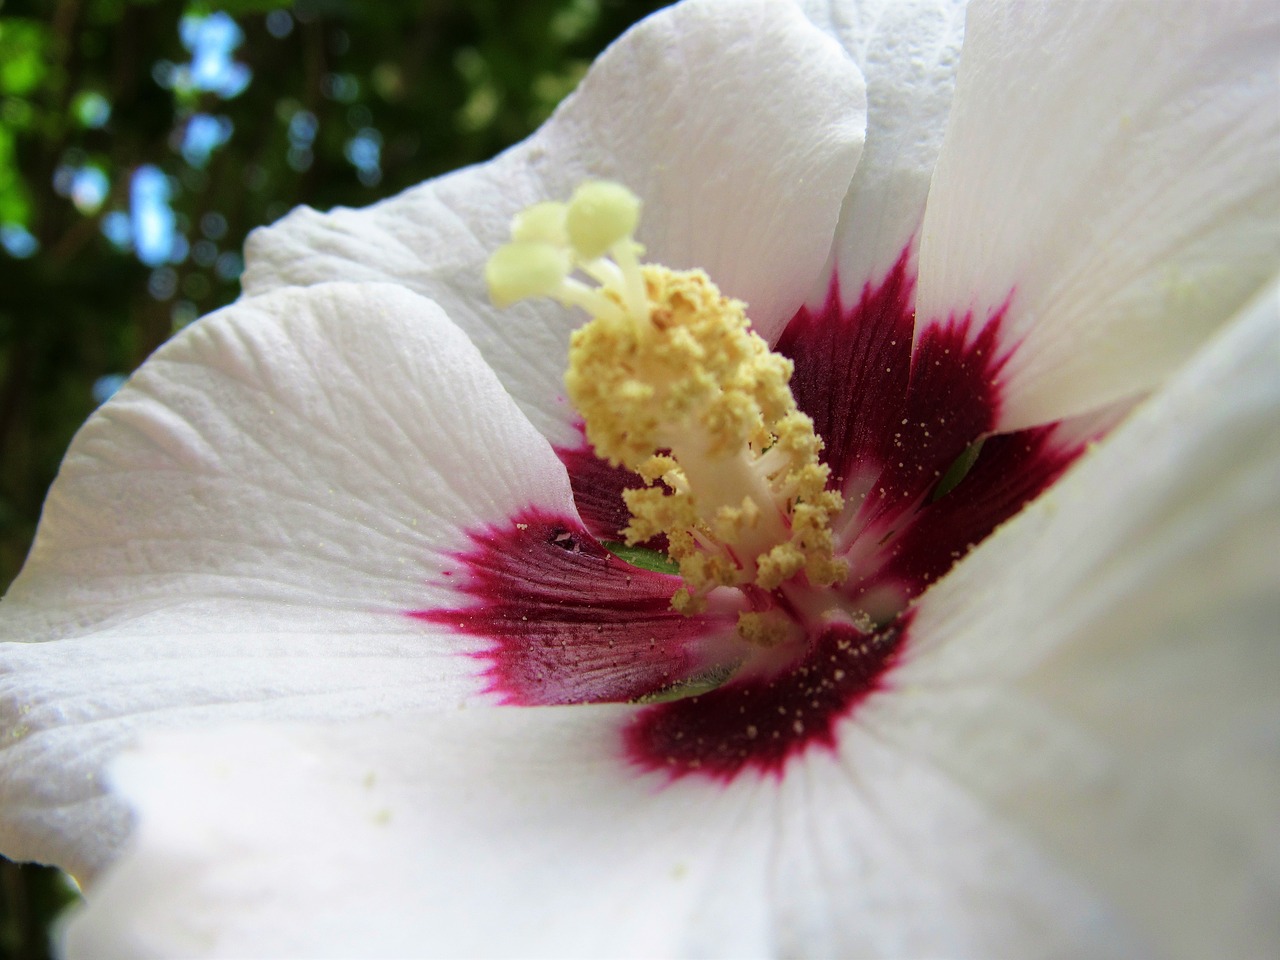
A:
(566, 621)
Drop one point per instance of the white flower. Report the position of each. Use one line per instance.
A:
(1073, 749)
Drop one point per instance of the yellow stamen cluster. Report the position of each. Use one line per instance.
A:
(672, 383)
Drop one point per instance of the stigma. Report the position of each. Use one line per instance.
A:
(672, 383)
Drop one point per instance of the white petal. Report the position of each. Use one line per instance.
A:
(242, 532)
(1101, 673)
(525, 832)
(1112, 172)
(504, 832)
(881, 854)
(739, 125)
(908, 51)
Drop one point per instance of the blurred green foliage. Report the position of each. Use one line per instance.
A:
(141, 141)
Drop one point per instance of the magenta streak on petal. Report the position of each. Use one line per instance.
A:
(570, 622)
(597, 489)
(1012, 470)
(759, 724)
(952, 400)
(851, 368)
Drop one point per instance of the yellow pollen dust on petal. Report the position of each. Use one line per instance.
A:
(672, 383)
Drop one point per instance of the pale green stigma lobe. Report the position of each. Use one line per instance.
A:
(542, 223)
(526, 269)
(600, 215)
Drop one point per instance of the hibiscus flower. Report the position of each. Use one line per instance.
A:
(341, 499)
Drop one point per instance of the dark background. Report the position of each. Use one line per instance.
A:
(141, 141)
